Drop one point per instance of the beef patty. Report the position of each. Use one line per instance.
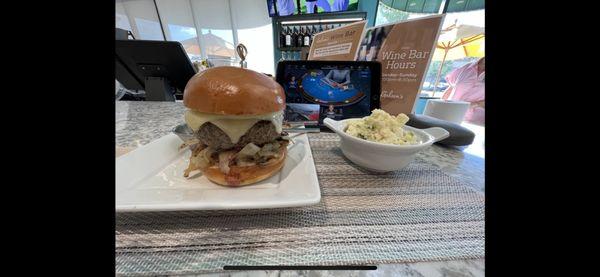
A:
(262, 132)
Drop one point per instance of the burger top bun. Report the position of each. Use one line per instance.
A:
(233, 91)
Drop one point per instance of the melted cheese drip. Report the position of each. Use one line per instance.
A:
(234, 126)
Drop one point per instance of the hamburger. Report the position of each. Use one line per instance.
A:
(236, 115)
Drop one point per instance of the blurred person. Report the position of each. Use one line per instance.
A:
(293, 84)
(330, 113)
(286, 7)
(467, 83)
(291, 87)
(311, 6)
(324, 4)
(373, 41)
(271, 6)
(338, 77)
(340, 5)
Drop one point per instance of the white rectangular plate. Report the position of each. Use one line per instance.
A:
(150, 178)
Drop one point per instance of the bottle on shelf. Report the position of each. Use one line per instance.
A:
(300, 38)
(294, 37)
(307, 37)
(281, 37)
(288, 37)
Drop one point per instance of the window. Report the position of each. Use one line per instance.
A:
(207, 29)
(390, 11)
(459, 12)
(474, 18)
(149, 29)
(387, 14)
(121, 18)
(255, 31)
(213, 20)
(176, 17)
(139, 17)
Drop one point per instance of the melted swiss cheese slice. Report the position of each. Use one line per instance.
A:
(234, 126)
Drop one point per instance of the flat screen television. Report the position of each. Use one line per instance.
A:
(282, 7)
(290, 7)
(327, 6)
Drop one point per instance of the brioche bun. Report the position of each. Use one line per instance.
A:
(232, 90)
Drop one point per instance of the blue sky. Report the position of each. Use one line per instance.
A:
(180, 33)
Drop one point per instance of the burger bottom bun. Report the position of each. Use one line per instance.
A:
(246, 175)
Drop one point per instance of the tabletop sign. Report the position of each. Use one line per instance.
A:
(404, 50)
(339, 44)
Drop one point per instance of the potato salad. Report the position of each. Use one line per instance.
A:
(382, 127)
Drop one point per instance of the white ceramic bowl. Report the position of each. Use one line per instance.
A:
(381, 157)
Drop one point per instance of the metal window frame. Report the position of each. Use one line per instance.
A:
(445, 6)
(133, 24)
(131, 20)
(198, 32)
(162, 28)
(234, 30)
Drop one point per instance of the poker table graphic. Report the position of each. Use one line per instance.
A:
(317, 90)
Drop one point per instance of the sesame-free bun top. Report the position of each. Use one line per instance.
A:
(233, 91)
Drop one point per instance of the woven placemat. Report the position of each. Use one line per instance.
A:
(417, 214)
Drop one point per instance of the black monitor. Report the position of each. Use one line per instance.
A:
(121, 34)
(157, 67)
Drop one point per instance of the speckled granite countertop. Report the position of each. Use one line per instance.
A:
(138, 123)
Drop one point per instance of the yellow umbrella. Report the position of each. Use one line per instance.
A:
(474, 49)
(457, 42)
